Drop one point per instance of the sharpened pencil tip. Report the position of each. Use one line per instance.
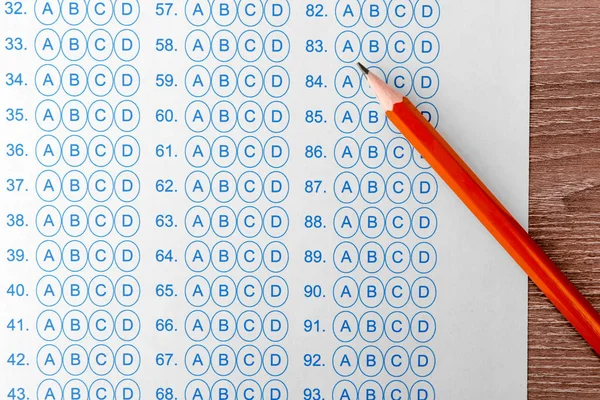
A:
(363, 69)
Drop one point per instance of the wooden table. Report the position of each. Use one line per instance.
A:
(565, 188)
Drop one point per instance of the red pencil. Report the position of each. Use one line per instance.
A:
(489, 211)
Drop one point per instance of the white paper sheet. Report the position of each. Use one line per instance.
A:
(200, 200)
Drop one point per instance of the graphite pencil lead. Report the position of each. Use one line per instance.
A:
(364, 69)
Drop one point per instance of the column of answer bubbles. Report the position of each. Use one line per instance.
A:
(386, 221)
(236, 191)
(87, 190)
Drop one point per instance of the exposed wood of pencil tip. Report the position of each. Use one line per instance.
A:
(385, 94)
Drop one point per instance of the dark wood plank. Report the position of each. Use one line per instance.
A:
(565, 188)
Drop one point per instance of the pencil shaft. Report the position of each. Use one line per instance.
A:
(498, 221)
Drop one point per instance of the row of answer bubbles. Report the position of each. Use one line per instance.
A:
(397, 187)
(225, 151)
(249, 187)
(373, 153)
(371, 361)
(249, 81)
(100, 325)
(399, 47)
(75, 256)
(397, 257)
(394, 389)
(224, 45)
(249, 256)
(74, 45)
(371, 292)
(76, 12)
(100, 80)
(249, 12)
(400, 13)
(74, 151)
(75, 186)
(248, 326)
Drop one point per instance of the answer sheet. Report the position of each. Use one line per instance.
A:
(203, 200)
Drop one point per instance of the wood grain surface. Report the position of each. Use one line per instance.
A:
(565, 188)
